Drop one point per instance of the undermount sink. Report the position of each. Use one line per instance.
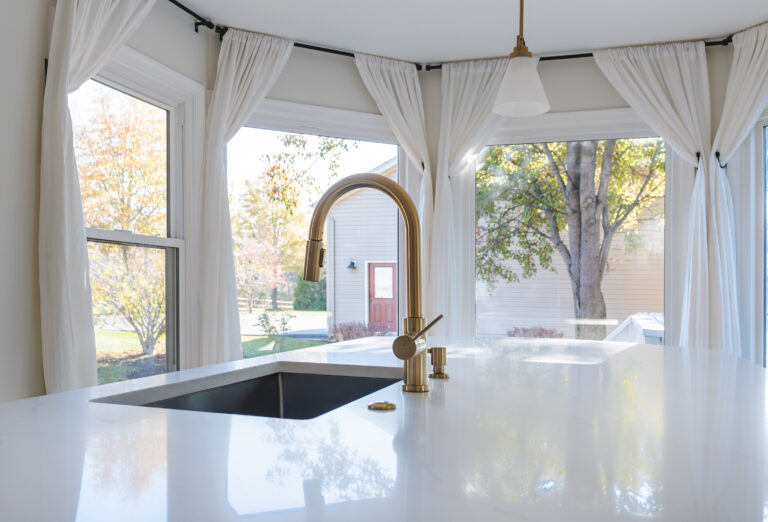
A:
(281, 395)
(284, 391)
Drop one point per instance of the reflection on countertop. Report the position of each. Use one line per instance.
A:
(523, 430)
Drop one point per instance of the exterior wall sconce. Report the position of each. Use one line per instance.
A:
(352, 265)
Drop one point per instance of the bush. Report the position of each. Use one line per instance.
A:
(309, 295)
(535, 331)
(354, 330)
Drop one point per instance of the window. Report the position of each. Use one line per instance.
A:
(122, 146)
(570, 240)
(274, 180)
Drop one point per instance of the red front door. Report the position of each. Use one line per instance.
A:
(382, 296)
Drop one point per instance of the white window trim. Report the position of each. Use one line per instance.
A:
(322, 121)
(570, 126)
(763, 135)
(573, 126)
(137, 74)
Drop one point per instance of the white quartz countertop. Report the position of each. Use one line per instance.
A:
(539, 430)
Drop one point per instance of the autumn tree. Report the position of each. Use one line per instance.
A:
(271, 215)
(568, 199)
(120, 145)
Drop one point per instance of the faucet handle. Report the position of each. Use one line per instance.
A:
(430, 325)
(408, 346)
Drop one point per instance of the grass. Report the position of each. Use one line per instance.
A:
(256, 346)
(119, 357)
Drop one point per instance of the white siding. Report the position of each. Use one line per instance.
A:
(364, 228)
(634, 282)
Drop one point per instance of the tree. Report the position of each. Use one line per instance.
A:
(120, 145)
(309, 295)
(271, 215)
(571, 198)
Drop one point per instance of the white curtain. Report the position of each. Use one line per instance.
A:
(745, 99)
(249, 64)
(394, 86)
(86, 34)
(668, 86)
(469, 90)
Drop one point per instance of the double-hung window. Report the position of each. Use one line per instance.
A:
(129, 179)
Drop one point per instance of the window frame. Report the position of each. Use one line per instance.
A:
(573, 126)
(137, 75)
(285, 116)
(760, 136)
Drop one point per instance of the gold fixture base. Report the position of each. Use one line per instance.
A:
(381, 406)
(439, 376)
(416, 387)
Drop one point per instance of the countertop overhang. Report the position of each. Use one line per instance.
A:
(523, 430)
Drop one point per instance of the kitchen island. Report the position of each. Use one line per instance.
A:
(534, 430)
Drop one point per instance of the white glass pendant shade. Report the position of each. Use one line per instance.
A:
(521, 93)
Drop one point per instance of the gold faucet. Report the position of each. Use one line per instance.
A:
(413, 353)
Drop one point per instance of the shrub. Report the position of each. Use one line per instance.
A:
(535, 331)
(309, 295)
(354, 330)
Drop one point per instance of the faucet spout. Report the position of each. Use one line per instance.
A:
(416, 366)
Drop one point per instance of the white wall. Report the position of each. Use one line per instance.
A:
(21, 92)
(323, 79)
(167, 36)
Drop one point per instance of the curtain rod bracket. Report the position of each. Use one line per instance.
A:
(221, 30)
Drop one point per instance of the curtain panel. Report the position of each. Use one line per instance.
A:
(736, 163)
(469, 90)
(394, 86)
(86, 34)
(248, 66)
(668, 86)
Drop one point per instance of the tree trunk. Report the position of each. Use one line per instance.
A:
(148, 345)
(274, 297)
(573, 219)
(591, 301)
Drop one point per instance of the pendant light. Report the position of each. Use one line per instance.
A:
(521, 93)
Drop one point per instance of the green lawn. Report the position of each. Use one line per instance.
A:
(119, 357)
(255, 346)
(110, 341)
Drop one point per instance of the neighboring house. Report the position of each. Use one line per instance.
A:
(362, 229)
(633, 282)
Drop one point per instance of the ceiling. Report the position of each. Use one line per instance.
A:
(443, 30)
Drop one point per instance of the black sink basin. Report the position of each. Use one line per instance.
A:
(282, 395)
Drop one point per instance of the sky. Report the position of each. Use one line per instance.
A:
(246, 150)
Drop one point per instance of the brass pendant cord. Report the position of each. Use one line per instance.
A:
(520, 48)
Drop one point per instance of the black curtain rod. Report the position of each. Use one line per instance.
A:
(222, 29)
(724, 42)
